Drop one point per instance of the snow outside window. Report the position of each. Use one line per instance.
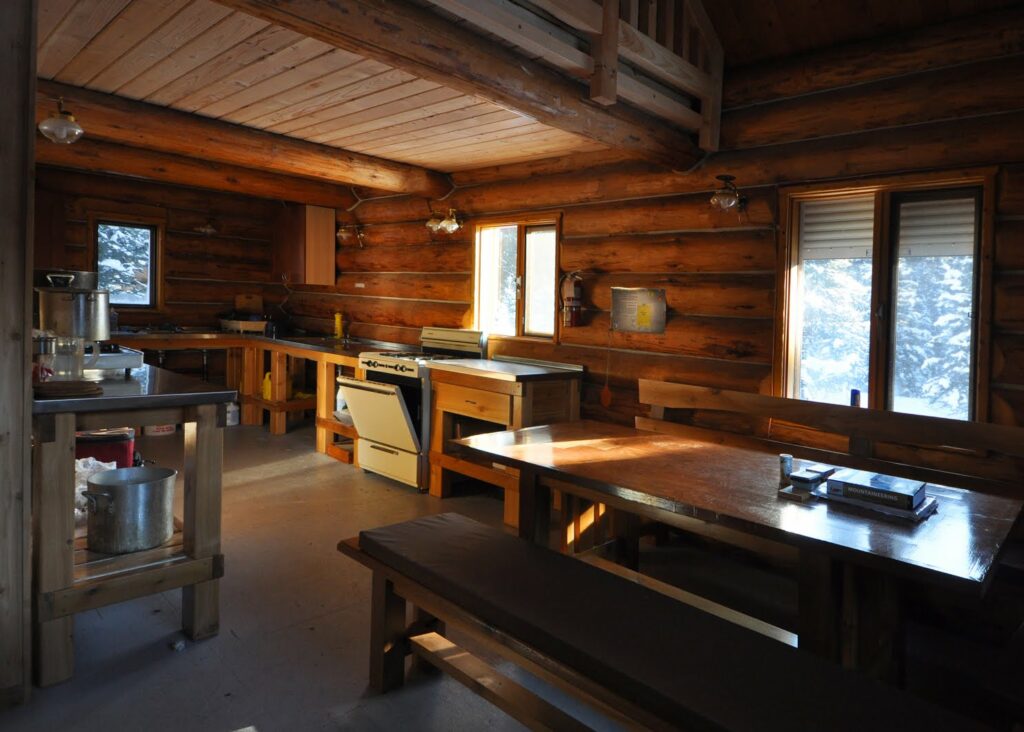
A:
(124, 261)
(515, 279)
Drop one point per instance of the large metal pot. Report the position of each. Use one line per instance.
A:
(130, 509)
(66, 278)
(72, 312)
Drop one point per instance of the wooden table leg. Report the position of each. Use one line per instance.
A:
(325, 388)
(278, 391)
(251, 377)
(872, 632)
(534, 508)
(204, 458)
(387, 632)
(53, 498)
(820, 605)
(443, 430)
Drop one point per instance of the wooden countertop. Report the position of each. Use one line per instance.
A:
(503, 370)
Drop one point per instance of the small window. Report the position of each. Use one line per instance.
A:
(886, 311)
(515, 279)
(125, 261)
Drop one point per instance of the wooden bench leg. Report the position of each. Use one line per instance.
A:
(425, 622)
(534, 509)
(626, 529)
(387, 636)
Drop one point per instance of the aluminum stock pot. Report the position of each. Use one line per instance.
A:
(130, 509)
(71, 312)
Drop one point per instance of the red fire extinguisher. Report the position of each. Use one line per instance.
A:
(572, 299)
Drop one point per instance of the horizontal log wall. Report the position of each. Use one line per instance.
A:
(870, 109)
(199, 273)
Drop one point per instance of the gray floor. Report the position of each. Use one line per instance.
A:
(292, 651)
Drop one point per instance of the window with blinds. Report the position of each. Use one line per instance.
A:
(834, 301)
(925, 302)
(933, 324)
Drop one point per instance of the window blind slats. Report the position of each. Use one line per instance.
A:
(837, 228)
(940, 228)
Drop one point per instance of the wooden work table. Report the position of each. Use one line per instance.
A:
(471, 396)
(677, 480)
(247, 357)
(67, 578)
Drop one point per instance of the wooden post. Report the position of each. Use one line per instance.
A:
(387, 628)
(534, 508)
(53, 498)
(820, 605)
(605, 50)
(204, 458)
(251, 377)
(325, 387)
(17, 186)
(278, 391)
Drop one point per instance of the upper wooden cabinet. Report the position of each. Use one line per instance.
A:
(304, 245)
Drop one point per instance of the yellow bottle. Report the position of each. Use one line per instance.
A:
(265, 390)
(339, 331)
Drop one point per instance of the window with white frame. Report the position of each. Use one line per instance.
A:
(126, 262)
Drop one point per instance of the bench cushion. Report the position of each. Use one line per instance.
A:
(688, 667)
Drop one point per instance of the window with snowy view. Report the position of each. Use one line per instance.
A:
(124, 261)
(927, 338)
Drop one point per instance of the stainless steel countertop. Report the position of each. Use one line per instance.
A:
(323, 344)
(148, 387)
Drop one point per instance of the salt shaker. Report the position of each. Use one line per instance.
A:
(785, 468)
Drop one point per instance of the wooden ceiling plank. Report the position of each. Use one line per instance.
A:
(226, 34)
(278, 62)
(465, 164)
(424, 126)
(174, 33)
(251, 51)
(116, 119)
(530, 137)
(410, 107)
(281, 106)
(49, 14)
(401, 34)
(325, 120)
(314, 68)
(103, 157)
(409, 123)
(136, 22)
(497, 130)
(317, 108)
(489, 154)
(73, 32)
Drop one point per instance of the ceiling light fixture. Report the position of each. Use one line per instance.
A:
(449, 224)
(345, 232)
(434, 222)
(62, 128)
(728, 197)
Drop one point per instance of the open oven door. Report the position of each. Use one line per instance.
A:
(388, 443)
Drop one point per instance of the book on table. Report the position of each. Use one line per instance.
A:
(885, 490)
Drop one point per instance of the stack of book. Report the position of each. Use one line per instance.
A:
(902, 497)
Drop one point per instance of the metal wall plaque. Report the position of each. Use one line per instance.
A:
(638, 309)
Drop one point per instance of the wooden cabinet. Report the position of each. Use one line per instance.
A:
(304, 245)
(472, 397)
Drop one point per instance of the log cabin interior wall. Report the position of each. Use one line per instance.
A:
(942, 98)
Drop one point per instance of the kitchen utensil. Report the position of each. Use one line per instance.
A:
(68, 358)
(72, 278)
(73, 312)
(130, 509)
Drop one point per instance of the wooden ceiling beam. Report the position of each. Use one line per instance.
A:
(115, 119)
(107, 157)
(404, 35)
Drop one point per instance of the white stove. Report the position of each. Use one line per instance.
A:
(390, 407)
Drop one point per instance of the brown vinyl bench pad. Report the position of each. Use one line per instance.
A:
(686, 666)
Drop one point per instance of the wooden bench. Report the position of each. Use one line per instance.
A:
(642, 658)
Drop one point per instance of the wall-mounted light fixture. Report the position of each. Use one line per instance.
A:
(447, 225)
(62, 127)
(728, 197)
(347, 232)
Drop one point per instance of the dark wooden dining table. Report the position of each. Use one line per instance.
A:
(854, 567)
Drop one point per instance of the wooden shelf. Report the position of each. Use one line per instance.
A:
(338, 428)
(90, 566)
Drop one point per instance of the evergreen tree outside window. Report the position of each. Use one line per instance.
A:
(886, 308)
(125, 263)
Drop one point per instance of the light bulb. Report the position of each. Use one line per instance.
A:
(450, 224)
(725, 199)
(434, 224)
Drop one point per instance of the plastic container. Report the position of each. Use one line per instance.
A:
(108, 446)
(231, 417)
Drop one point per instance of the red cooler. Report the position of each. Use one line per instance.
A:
(116, 445)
